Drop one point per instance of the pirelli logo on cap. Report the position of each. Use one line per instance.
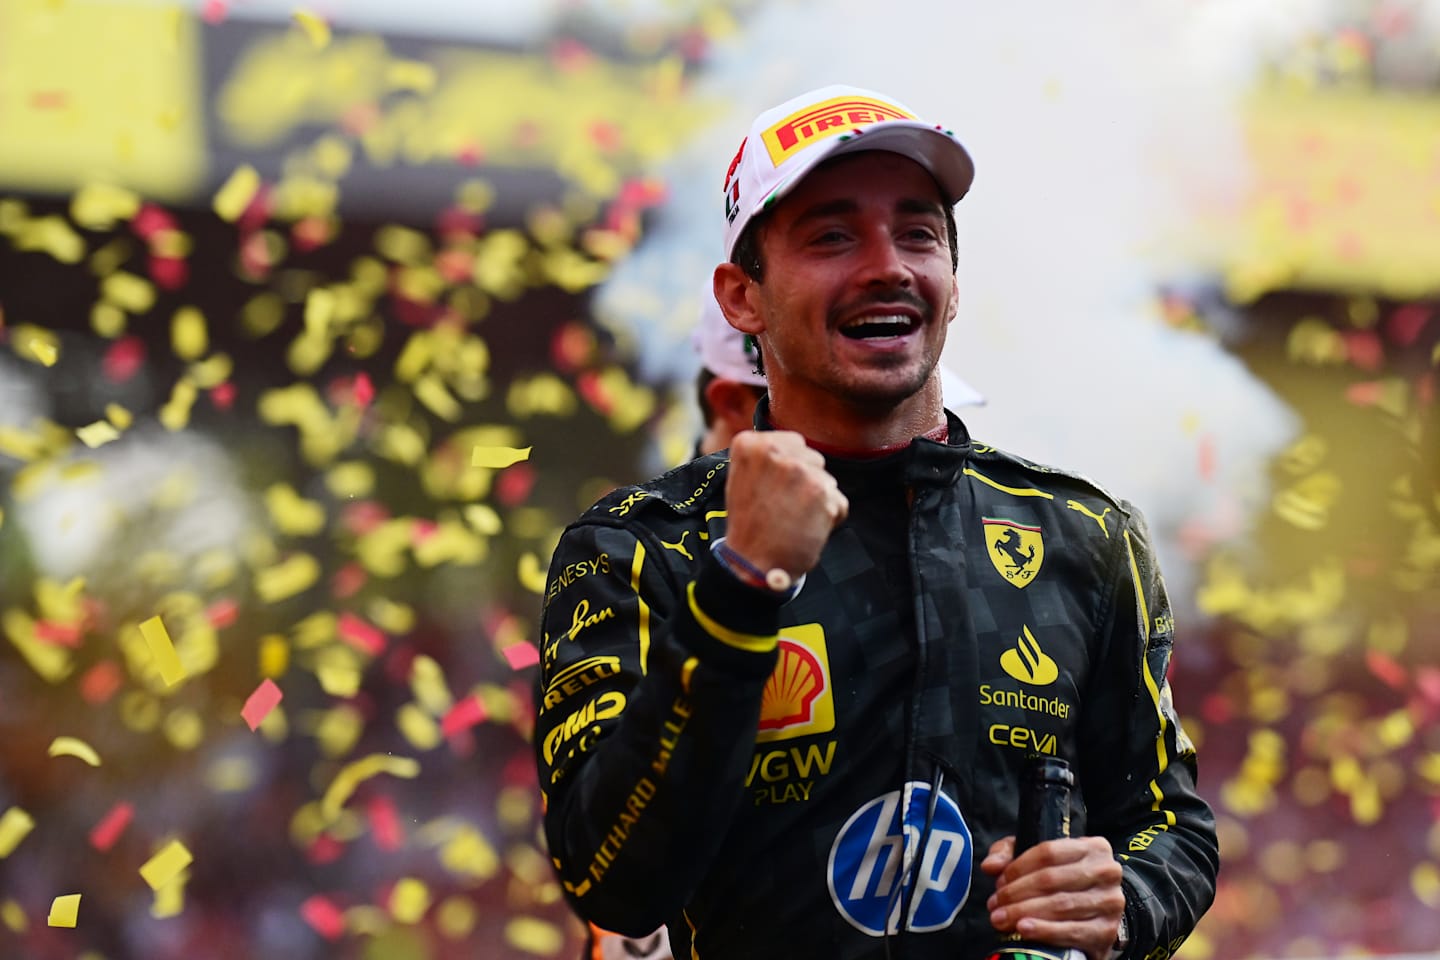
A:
(825, 119)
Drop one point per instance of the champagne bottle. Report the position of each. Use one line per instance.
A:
(1044, 815)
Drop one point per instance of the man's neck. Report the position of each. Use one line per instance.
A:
(844, 429)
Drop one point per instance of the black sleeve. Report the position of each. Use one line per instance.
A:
(1139, 771)
(648, 702)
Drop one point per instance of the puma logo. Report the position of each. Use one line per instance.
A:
(1097, 517)
(679, 546)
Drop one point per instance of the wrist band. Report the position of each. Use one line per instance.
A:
(774, 580)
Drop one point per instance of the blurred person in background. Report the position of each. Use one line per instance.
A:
(787, 695)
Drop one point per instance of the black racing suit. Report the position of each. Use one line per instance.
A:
(744, 770)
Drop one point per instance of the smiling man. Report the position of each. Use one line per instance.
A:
(789, 713)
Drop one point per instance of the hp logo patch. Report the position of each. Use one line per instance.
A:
(870, 853)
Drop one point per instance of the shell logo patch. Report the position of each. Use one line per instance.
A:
(798, 700)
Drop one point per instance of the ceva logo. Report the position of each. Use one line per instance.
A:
(875, 845)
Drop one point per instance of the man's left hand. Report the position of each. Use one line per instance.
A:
(1064, 893)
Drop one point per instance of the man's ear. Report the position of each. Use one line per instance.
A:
(732, 292)
(954, 298)
(732, 403)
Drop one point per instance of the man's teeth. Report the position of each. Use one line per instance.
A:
(879, 326)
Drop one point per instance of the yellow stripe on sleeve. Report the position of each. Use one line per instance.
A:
(644, 608)
(1013, 491)
(732, 638)
(1161, 755)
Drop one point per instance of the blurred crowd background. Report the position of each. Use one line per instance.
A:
(317, 324)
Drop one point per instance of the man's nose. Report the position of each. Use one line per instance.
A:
(884, 263)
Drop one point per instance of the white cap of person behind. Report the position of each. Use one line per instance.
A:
(728, 353)
(788, 141)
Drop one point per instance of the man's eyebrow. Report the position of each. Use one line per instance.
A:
(919, 205)
(843, 206)
(830, 208)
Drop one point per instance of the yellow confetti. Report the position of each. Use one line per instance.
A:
(531, 573)
(50, 235)
(274, 656)
(291, 513)
(339, 730)
(176, 412)
(456, 917)
(534, 935)
(166, 865)
(119, 417)
(15, 825)
(188, 336)
(483, 518)
(128, 292)
(498, 457)
(99, 206)
(64, 910)
(316, 29)
(162, 651)
(427, 682)
(169, 899)
(339, 671)
(409, 899)
(1425, 881)
(236, 193)
(14, 917)
(44, 351)
(358, 771)
(431, 391)
(469, 854)
(287, 578)
(97, 434)
(419, 728)
(74, 747)
(413, 75)
(107, 320)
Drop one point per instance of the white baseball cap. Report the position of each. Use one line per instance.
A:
(728, 353)
(788, 141)
(724, 351)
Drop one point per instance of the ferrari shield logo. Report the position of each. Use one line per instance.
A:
(1016, 549)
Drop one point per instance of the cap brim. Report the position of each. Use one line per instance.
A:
(938, 152)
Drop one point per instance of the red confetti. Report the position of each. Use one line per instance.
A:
(1387, 668)
(222, 613)
(58, 634)
(49, 99)
(222, 395)
(1405, 324)
(347, 581)
(464, 715)
(323, 916)
(151, 220)
(521, 655)
(123, 360)
(169, 273)
(259, 704)
(99, 683)
(514, 484)
(362, 516)
(363, 636)
(104, 834)
(214, 11)
(1365, 349)
(324, 849)
(256, 213)
(385, 823)
(1206, 462)
(1366, 393)
(1427, 679)
(364, 390)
